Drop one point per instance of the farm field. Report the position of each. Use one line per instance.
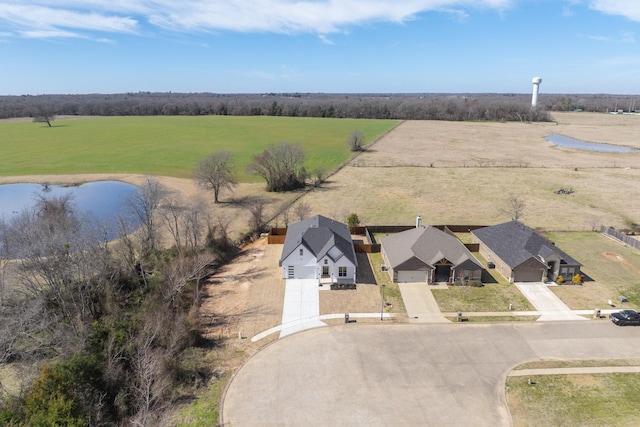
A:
(435, 169)
(170, 146)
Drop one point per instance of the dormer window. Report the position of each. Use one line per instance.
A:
(301, 251)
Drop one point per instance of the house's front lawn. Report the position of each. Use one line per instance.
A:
(489, 298)
(494, 296)
(611, 268)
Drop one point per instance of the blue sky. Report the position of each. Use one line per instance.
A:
(333, 46)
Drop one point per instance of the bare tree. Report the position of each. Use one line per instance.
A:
(216, 173)
(355, 141)
(285, 212)
(44, 115)
(302, 210)
(281, 166)
(196, 221)
(319, 174)
(5, 256)
(172, 212)
(143, 207)
(256, 207)
(515, 209)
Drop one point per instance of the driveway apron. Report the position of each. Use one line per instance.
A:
(301, 308)
(549, 306)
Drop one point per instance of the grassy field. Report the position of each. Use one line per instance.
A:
(575, 400)
(170, 146)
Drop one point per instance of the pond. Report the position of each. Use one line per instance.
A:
(102, 199)
(565, 141)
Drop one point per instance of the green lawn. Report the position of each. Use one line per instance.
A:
(606, 261)
(170, 145)
(574, 400)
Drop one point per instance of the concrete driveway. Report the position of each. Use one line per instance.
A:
(433, 374)
(420, 303)
(549, 306)
(301, 309)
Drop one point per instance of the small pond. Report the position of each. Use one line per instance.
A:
(565, 141)
(103, 199)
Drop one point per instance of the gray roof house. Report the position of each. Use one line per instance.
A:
(428, 254)
(522, 255)
(319, 248)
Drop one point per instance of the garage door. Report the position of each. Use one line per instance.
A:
(302, 272)
(409, 276)
(528, 275)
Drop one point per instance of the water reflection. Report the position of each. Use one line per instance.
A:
(103, 199)
(565, 141)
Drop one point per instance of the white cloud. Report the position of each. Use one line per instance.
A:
(275, 16)
(326, 40)
(630, 9)
(41, 21)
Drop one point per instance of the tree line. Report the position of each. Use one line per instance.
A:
(476, 107)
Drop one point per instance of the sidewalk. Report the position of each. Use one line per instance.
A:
(574, 371)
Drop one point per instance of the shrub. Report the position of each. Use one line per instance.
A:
(353, 220)
(355, 141)
(577, 279)
(560, 279)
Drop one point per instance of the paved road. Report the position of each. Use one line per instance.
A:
(433, 374)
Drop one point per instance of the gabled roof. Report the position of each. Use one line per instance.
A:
(427, 244)
(515, 243)
(319, 234)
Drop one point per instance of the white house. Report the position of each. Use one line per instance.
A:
(319, 248)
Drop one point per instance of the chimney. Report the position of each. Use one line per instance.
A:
(418, 221)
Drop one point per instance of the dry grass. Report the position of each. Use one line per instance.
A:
(459, 144)
(574, 400)
(477, 166)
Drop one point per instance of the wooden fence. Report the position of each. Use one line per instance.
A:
(277, 235)
(627, 240)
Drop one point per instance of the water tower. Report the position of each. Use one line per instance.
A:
(536, 86)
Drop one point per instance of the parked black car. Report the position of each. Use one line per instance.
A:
(625, 317)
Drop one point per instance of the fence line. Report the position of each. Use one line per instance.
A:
(628, 240)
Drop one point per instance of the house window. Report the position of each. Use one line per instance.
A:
(301, 251)
(342, 271)
(291, 271)
(326, 261)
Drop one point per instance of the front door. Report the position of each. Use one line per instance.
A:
(325, 271)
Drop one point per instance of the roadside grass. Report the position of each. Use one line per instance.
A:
(171, 145)
(204, 411)
(614, 268)
(574, 400)
(480, 319)
(551, 364)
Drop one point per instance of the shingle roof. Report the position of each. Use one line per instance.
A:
(319, 234)
(427, 244)
(515, 243)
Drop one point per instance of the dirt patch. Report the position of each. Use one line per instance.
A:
(614, 256)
